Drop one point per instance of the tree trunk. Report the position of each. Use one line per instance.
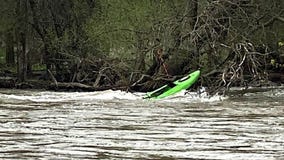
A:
(21, 33)
(193, 11)
(181, 60)
(42, 32)
(10, 53)
(140, 58)
(22, 58)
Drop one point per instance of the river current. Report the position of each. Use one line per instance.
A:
(120, 125)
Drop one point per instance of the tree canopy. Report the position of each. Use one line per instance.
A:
(139, 44)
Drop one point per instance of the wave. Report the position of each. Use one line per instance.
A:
(108, 95)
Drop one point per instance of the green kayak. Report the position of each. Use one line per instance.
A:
(174, 87)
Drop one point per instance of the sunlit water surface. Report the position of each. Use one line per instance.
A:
(120, 125)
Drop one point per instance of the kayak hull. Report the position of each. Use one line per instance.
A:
(174, 87)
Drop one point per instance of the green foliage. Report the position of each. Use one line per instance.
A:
(38, 67)
(7, 15)
(121, 21)
(2, 56)
(65, 32)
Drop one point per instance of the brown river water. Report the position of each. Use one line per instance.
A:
(120, 125)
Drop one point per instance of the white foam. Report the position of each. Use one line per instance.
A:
(109, 95)
(47, 96)
(193, 97)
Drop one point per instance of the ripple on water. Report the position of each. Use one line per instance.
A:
(110, 125)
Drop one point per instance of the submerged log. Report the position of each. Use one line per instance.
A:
(7, 82)
(276, 77)
(71, 87)
(82, 87)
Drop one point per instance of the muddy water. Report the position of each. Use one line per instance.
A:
(119, 125)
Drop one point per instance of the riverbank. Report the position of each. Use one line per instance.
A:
(11, 82)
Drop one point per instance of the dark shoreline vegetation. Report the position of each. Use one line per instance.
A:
(93, 45)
